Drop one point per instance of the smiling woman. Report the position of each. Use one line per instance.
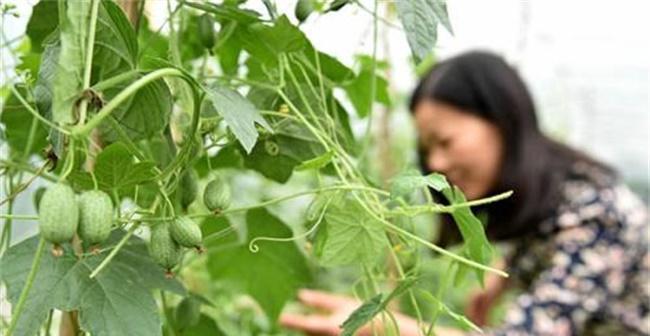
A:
(579, 236)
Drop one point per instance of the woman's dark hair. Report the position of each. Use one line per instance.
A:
(534, 166)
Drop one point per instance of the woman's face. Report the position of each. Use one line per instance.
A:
(464, 147)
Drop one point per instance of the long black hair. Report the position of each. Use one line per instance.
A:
(534, 165)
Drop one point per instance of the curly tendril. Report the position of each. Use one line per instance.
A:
(253, 247)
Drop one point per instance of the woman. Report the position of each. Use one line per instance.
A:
(578, 236)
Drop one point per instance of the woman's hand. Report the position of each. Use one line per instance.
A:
(480, 302)
(337, 309)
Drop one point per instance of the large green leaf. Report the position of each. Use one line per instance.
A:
(350, 235)
(272, 275)
(68, 80)
(143, 115)
(420, 19)
(117, 301)
(239, 113)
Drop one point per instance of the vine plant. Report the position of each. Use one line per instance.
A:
(147, 118)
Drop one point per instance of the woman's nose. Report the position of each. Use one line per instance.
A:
(438, 161)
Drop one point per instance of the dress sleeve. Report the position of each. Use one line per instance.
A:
(584, 271)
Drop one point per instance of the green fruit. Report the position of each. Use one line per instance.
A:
(188, 188)
(303, 9)
(206, 31)
(95, 216)
(186, 232)
(216, 195)
(163, 249)
(187, 313)
(58, 214)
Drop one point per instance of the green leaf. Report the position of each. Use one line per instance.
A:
(190, 46)
(282, 37)
(41, 23)
(472, 230)
(116, 170)
(330, 67)
(68, 80)
(152, 45)
(359, 92)
(282, 265)
(218, 232)
(117, 301)
(43, 90)
(411, 180)
(228, 49)
(143, 115)
(369, 309)
(228, 157)
(278, 165)
(420, 21)
(265, 42)
(317, 162)
(116, 45)
(362, 315)
(353, 236)
(206, 325)
(439, 8)
(18, 123)
(238, 112)
(464, 321)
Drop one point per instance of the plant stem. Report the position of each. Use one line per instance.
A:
(89, 58)
(27, 168)
(430, 245)
(28, 286)
(23, 186)
(18, 217)
(373, 85)
(84, 130)
(117, 248)
(31, 110)
(436, 208)
(111, 82)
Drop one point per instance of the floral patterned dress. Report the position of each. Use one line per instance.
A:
(587, 270)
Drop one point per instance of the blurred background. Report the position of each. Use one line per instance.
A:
(587, 64)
